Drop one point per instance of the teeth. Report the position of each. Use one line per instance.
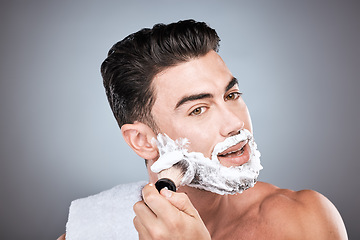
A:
(239, 151)
(234, 151)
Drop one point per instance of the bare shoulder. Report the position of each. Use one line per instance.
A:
(306, 214)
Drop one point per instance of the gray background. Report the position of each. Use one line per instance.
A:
(298, 62)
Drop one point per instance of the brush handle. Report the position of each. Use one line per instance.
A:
(165, 182)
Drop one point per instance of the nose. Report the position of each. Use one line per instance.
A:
(231, 123)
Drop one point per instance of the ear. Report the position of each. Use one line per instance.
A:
(138, 136)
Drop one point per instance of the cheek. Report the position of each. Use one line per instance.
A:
(201, 139)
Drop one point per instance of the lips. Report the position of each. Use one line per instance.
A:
(236, 148)
(236, 155)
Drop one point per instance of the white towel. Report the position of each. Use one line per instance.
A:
(106, 216)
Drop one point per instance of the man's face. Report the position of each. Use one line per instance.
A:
(200, 100)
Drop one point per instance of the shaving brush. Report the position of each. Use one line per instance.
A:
(171, 178)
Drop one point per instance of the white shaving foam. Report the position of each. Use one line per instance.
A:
(207, 174)
(170, 152)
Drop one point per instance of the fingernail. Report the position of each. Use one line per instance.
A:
(150, 184)
(166, 193)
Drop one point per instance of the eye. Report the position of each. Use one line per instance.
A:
(198, 111)
(233, 96)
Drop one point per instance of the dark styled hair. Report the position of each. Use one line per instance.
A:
(132, 64)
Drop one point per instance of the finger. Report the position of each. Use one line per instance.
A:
(181, 201)
(156, 202)
(143, 212)
(142, 231)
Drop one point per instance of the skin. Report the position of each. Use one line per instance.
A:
(261, 212)
(207, 121)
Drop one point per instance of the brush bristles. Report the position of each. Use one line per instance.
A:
(175, 173)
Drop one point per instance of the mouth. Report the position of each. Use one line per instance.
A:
(236, 155)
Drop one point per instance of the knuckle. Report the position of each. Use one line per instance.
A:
(149, 197)
(183, 197)
(135, 222)
(182, 200)
(137, 206)
(146, 189)
(172, 223)
(177, 225)
(157, 234)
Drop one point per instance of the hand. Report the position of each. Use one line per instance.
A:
(168, 215)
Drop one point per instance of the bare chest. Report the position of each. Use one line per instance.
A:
(249, 227)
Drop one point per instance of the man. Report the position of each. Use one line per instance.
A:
(170, 79)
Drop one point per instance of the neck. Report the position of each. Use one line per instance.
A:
(212, 206)
(208, 204)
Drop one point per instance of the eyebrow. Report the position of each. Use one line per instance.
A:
(231, 84)
(194, 97)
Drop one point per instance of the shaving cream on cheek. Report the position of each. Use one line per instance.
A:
(207, 174)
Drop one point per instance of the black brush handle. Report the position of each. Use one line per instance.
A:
(165, 182)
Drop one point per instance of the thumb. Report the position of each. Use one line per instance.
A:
(181, 201)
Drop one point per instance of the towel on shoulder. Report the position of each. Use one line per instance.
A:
(107, 215)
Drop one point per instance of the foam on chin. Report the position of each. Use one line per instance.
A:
(207, 174)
